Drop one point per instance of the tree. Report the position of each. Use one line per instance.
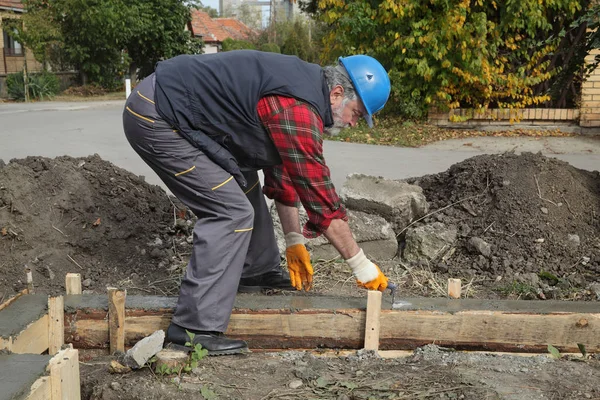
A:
(234, 44)
(454, 53)
(100, 38)
(159, 34)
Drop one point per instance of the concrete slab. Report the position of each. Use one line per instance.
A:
(24, 311)
(304, 301)
(18, 372)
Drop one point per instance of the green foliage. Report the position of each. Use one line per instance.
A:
(551, 278)
(297, 42)
(270, 47)
(233, 44)
(582, 349)
(553, 351)
(101, 38)
(159, 34)
(207, 393)
(517, 288)
(454, 53)
(41, 86)
(197, 354)
(403, 102)
(300, 37)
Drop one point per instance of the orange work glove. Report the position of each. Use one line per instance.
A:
(298, 261)
(368, 275)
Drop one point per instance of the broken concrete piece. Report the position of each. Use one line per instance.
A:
(573, 240)
(479, 246)
(372, 233)
(429, 242)
(138, 355)
(398, 202)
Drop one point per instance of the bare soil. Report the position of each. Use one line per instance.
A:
(86, 215)
(430, 373)
(539, 215)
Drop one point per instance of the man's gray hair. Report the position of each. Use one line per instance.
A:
(337, 75)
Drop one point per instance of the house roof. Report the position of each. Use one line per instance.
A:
(214, 30)
(12, 4)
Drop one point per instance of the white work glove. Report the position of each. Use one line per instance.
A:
(367, 274)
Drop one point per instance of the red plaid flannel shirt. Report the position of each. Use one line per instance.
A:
(297, 132)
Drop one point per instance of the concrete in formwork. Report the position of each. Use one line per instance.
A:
(372, 233)
(18, 372)
(398, 202)
(293, 301)
(21, 313)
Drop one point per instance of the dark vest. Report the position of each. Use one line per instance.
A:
(212, 98)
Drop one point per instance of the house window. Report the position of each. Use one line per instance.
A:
(11, 46)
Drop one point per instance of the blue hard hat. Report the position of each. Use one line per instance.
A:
(371, 82)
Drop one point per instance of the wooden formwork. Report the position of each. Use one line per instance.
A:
(309, 322)
(32, 325)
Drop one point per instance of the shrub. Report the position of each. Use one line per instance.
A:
(270, 47)
(232, 44)
(42, 86)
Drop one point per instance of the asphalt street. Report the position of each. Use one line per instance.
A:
(77, 129)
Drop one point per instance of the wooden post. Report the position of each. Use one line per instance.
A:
(56, 324)
(29, 280)
(64, 375)
(116, 319)
(454, 288)
(372, 320)
(73, 283)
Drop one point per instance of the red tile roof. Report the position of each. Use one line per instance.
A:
(12, 4)
(217, 29)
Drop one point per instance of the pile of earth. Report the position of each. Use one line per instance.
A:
(525, 217)
(516, 218)
(87, 216)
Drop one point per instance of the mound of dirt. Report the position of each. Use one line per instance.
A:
(525, 218)
(86, 215)
(540, 217)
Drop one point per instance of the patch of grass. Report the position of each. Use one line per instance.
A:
(517, 289)
(396, 132)
(99, 97)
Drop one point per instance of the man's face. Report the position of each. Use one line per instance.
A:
(346, 112)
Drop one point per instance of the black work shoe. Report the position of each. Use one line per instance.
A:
(276, 279)
(216, 343)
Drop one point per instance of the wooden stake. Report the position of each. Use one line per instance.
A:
(29, 280)
(64, 375)
(116, 319)
(73, 283)
(372, 321)
(454, 288)
(172, 359)
(56, 324)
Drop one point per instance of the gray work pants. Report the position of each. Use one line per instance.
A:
(234, 234)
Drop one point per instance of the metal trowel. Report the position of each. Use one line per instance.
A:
(396, 303)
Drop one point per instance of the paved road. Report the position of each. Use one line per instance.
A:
(79, 129)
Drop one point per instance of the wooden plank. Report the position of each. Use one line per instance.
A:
(40, 390)
(64, 375)
(56, 321)
(73, 283)
(372, 321)
(454, 288)
(116, 319)
(493, 329)
(33, 339)
(12, 299)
